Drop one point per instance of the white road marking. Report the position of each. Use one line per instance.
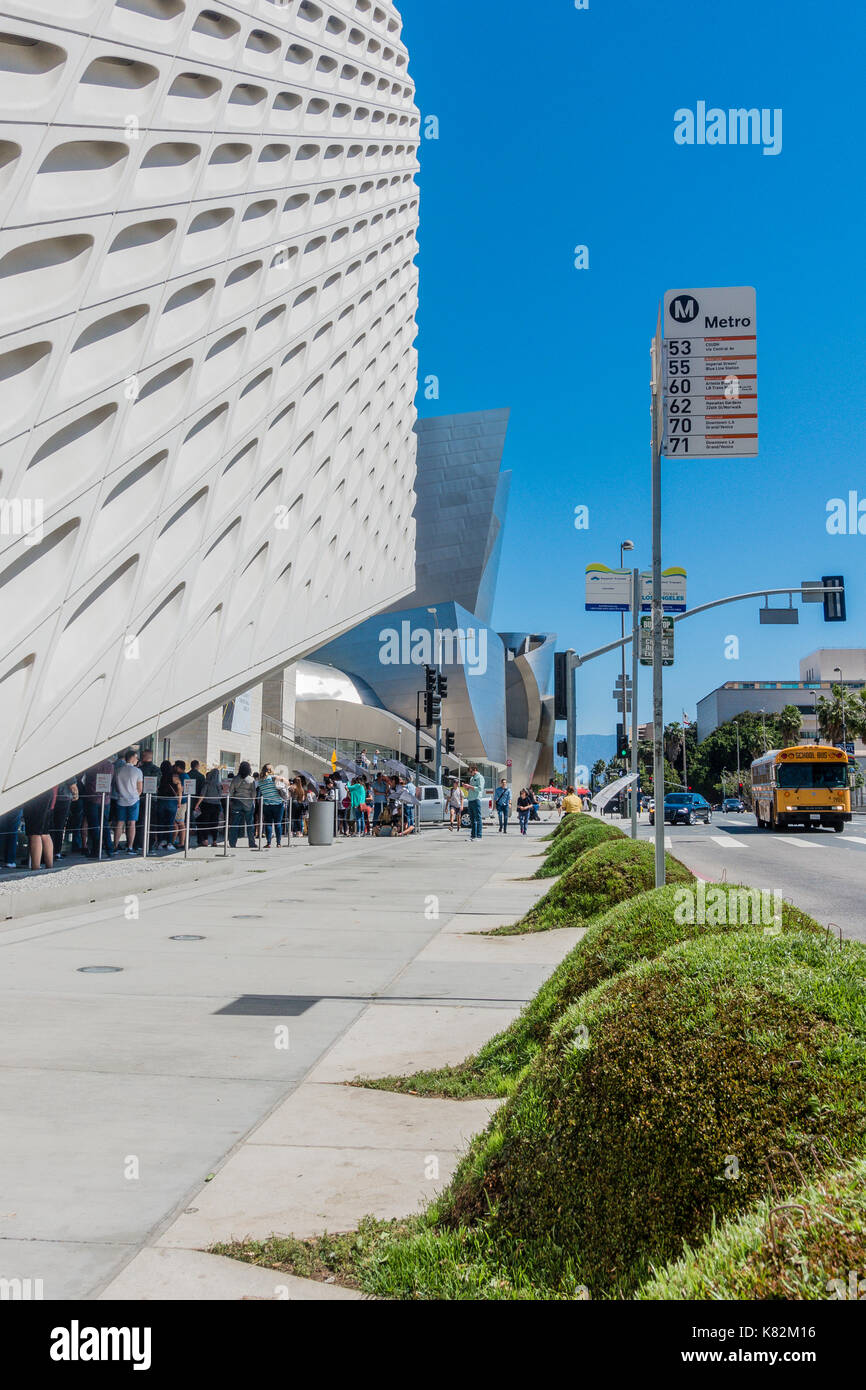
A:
(669, 844)
(851, 840)
(798, 844)
(727, 840)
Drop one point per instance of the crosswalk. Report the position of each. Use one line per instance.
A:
(821, 841)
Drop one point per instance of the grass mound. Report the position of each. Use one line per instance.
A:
(813, 1249)
(566, 824)
(586, 835)
(661, 1099)
(601, 877)
(639, 929)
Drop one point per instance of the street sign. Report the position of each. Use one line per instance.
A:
(607, 590)
(710, 373)
(646, 641)
(674, 582)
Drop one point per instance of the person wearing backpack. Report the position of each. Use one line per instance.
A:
(502, 801)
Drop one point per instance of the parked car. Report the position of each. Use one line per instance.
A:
(732, 803)
(685, 808)
(432, 805)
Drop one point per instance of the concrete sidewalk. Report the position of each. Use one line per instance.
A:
(224, 1001)
(330, 1154)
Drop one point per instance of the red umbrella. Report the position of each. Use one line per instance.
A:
(551, 791)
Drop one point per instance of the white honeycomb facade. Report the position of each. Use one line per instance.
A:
(207, 361)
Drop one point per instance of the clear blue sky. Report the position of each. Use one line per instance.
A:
(556, 129)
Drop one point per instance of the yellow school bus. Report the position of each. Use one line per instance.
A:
(806, 785)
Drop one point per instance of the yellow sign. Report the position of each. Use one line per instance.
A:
(334, 760)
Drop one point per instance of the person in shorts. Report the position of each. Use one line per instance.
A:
(126, 799)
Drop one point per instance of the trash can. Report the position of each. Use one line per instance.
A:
(321, 831)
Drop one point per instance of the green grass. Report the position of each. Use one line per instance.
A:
(619, 1145)
(805, 1252)
(407, 1260)
(601, 877)
(640, 928)
(566, 848)
(567, 823)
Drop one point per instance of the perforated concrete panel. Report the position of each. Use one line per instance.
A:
(207, 363)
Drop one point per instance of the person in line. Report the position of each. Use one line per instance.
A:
(10, 824)
(165, 811)
(368, 806)
(524, 806)
(456, 802)
(298, 807)
(474, 795)
(363, 760)
(67, 792)
(502, 801)
(242, 791)
(380, 797)
(358, 800)
(126, 799)
(96, 808)
(208, 809)
(272, 806)
(37, 828)
(197, 776)
(533, 814)
(571, 803)
(180, 819)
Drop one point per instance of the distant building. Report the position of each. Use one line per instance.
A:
(817, 677)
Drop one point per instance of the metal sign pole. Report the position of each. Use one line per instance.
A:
(635, 668)
(146, 824)
(101, 821)
(571, 717)
(188, 820)
(657, 669)
(226, 838)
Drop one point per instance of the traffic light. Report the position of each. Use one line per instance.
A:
(834, 603)
(443, 687)
(432, 709)
(622, 746)
(562, 748)
(450, 741)
(430, 679)
(740, 788)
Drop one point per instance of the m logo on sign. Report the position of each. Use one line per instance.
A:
(684, 309)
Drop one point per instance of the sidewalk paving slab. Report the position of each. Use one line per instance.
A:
(193, 1275)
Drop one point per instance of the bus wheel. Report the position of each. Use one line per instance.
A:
(838, 826)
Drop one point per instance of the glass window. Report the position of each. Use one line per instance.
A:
(796, 776)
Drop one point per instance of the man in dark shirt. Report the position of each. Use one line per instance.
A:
(94, 802)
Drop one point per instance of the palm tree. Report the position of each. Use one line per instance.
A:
(846, 711)
(598, 768)
(788, 721)
(673, 743)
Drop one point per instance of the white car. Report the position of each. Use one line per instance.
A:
(432, 805)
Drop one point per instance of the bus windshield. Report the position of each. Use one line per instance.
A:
(794, 776)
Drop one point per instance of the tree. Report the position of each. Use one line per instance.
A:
(598, 769)
(673, 741)
(845, 711)
(789, 721)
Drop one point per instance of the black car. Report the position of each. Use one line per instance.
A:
(685, 808)
(732, 803)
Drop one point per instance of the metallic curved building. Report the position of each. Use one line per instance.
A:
(498, 704)
(207, 363)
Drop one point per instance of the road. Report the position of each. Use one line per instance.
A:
(818, 870)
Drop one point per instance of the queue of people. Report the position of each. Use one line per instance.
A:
(128, 805)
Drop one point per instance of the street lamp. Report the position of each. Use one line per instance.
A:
(842, 698)
(624, 546)
(815, 712)
(737, 727)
